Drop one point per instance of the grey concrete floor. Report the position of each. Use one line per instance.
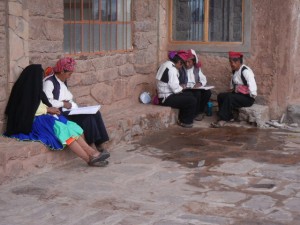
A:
(177, 176)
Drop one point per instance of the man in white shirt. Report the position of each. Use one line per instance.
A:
(59, 96)
(243, 90)
(170, 92)
(191, 78)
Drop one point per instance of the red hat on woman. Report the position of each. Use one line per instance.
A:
(235, 55)
(183, 55)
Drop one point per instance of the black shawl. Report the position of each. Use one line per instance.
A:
(24, 100)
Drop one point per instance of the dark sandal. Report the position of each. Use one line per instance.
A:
(98, 163)
(101, 157)
(218, 124)
(215, 125)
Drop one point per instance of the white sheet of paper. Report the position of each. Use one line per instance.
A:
(206, 87)
(85, 110)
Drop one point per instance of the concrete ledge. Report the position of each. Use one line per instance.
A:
(18, 159)
(256, 114)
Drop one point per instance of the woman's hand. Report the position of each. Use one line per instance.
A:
(53, 110)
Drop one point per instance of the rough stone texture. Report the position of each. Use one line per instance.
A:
(293, 113)
(256, 114)
(154, 180)
(3, 61)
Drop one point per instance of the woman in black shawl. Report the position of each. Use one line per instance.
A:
(31, 117)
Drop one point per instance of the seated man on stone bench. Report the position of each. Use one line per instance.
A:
(243, 90)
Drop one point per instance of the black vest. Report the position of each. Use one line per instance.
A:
(56, 89)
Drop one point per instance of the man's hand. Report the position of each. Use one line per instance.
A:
(197, 85)
(67, 105)
(53, 110)
(183, 86)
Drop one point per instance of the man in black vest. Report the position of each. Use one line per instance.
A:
(243, 90)
(59, 96)
(191, 79)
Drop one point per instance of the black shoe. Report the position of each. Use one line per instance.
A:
(199, 117)
(186, 125)
(101, 157)
(104, 155)
(98, 163)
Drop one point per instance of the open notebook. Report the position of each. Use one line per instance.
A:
(83, 110)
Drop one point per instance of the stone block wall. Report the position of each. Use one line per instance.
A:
(3, 61)
(13, 47)
(113, 80)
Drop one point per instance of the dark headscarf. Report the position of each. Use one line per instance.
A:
(24, 100)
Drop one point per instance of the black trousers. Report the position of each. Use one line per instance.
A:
(93, 127)
(202, 97)
(229, 100)
(185, 102)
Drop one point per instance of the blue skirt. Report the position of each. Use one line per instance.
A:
(43, 130)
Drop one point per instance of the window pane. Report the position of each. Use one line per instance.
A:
(67, 40)
(121, 37)
(128, 38)
(113, 12)
(67, 8)
(87, 10)
(91, 25)
(86, 37)
(95, 8)
(96, 38)
(76, 12)
(78, 38)
(113, 37)
(128, 10)
(104, 10)
(225, 20)
(104, 37)
(121, 11)
(109, 10)
(188, 20)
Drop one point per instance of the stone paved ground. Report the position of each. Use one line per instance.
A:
(178, 176)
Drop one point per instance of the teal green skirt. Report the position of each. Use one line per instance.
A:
(64, 131)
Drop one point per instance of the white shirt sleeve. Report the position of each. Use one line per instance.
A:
(202, 78)
(64, 95)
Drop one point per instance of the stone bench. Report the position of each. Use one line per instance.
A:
(256, 114)
(125, 124)
(18, 159)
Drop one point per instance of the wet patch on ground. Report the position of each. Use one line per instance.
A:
(189, 146)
